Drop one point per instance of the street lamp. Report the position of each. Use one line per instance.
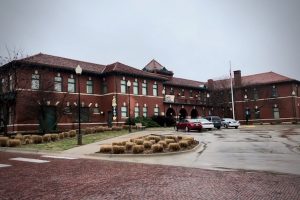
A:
(78, 71)
(128, 86)
(294, 106)
(164, 93)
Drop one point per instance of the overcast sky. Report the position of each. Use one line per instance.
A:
(195, 39)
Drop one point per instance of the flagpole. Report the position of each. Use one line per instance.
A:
(232, 101)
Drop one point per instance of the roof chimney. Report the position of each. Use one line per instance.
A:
(237, 78)
(210, 84)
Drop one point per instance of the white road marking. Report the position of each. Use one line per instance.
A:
(3, 165)
(30, 160)
(59, 157)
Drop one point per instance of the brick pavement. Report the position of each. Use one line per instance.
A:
(98, 179)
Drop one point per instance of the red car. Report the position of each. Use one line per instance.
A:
(189, 124)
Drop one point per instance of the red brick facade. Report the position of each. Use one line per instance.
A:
(188, 98)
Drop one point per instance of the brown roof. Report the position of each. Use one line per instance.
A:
(122, 68)
(255, 79)
(184, 82)
(60, 62)
(153, 65)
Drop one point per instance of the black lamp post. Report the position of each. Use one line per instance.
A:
(294, 106)
(164, 94)
(78, 71)
(128, 86)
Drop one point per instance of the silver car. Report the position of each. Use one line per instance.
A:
(228, 122)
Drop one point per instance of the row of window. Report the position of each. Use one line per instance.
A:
(124, 88)
(124, 111)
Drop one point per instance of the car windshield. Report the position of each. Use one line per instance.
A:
(203, 120)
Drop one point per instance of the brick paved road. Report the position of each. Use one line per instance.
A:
(98, 179)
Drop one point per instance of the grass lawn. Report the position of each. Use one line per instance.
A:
(69, 143)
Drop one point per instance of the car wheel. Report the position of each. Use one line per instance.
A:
(187, 129)
(236, 127)
(226, 126)
(176, 128)
(218, 127)
(209, 129)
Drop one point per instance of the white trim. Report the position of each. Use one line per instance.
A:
(86, 94)
(58, 157)
(29, 160)
(252, 100)
(4, 165)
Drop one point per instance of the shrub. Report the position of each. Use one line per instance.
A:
(152, 141)
(107, 128)
(129, 145)
(156, 148)
(99, 129)
(3, 141)
(14, 142)
(138, 149)
(72, 133)
(119, 143)
(116, 128)
(179, 137)
(118, 149)
(139, 141)
(47, 138)
(183, 143)
(66, 134)
(106, 149)
(19, 136)
(171, 137)
(27, 141)
(54, 137)
(153, 137)
(37, 139)
(61, 136)
(147, 144)
(147, 122)
(174, 147)
(168, 141)
(26, 137)
(88, 131)
(163, 144)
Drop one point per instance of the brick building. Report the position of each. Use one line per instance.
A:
(41, 92)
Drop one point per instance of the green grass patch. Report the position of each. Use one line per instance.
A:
(69, 143)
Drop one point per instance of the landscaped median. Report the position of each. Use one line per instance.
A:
(60, 141)
(150, 144)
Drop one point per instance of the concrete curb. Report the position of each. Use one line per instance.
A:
(200, 145)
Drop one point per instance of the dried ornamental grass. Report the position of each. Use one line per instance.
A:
(61, 136)
(139, 141)
(47, 138)
(99, 129)
(152, 141)
(163, 144)
(116, 128)
(153, 137)
(37, 139)
(19, 136)
(118, 149)
(3, 141)
(129, 145)
(168, 141)
(174, 147)
(183, 143)
(138, 149)
(26, 137)
(107, 129)
(27, 141)
(147, 144)
(179, 137)
(14, 142)
(119, 143)
(66, 134)
(156, 148)
(106, 149)
(88, 131)
(171, 137)
(72, 133)
(54, 137)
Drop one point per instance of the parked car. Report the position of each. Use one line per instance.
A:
(189, 124)
(216, 120)
(228, 122)
(206, 124)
